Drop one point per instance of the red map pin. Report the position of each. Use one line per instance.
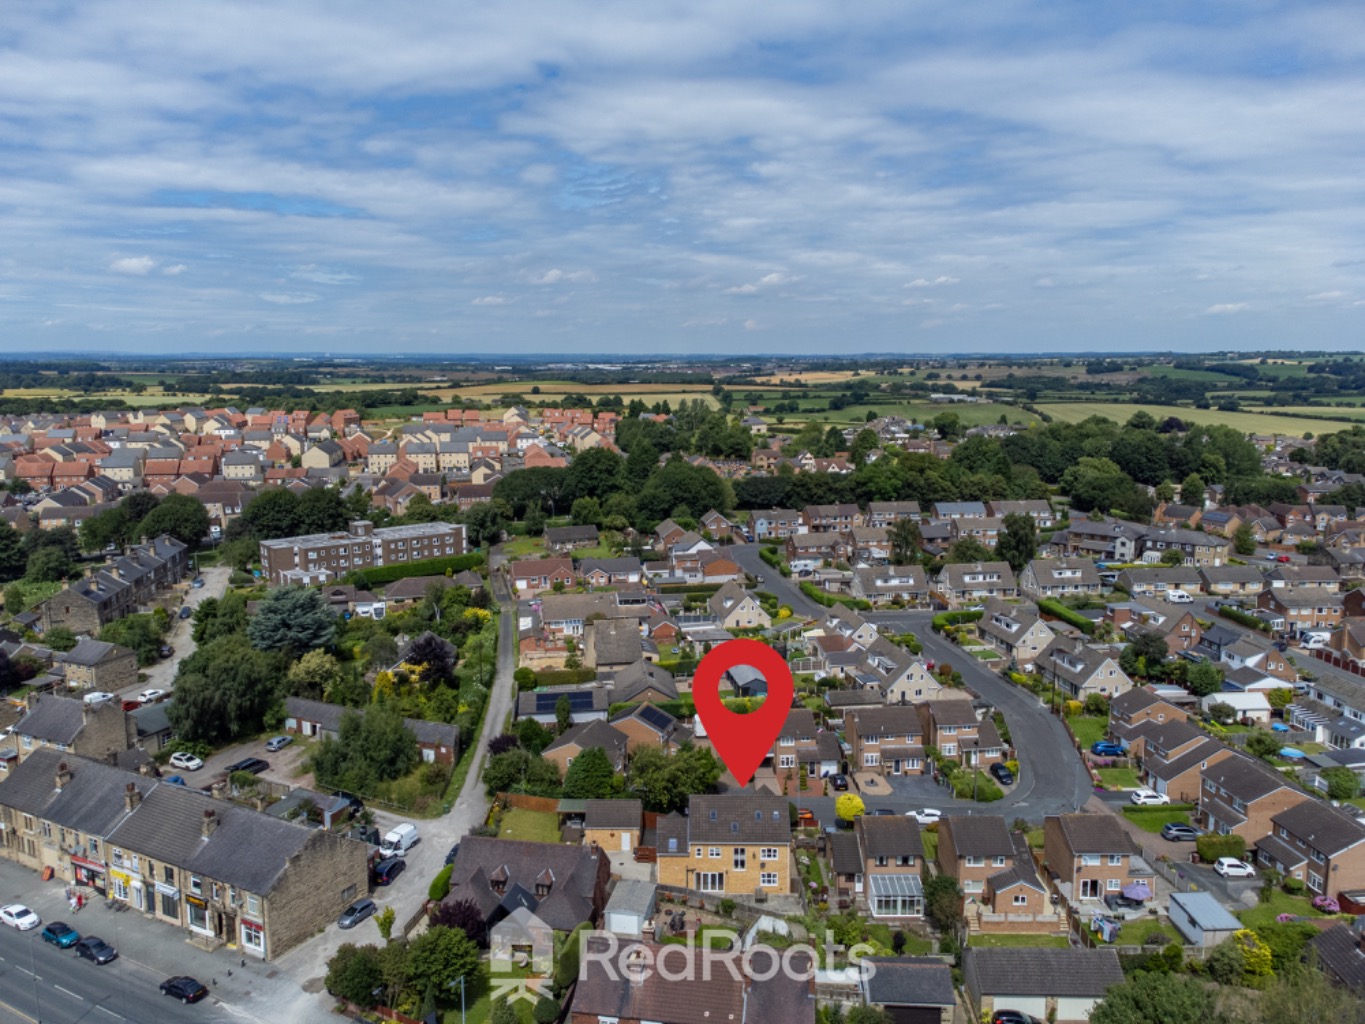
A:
(742, 741)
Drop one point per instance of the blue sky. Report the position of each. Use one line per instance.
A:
(702, 176)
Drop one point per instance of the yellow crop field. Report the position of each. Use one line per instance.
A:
(1245, 421)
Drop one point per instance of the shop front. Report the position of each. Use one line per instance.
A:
(90, 873)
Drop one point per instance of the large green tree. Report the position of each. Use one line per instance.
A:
(520, 771)
(12, 557)
(183, 517)
(369, 748)
(1151, 996)
(1019, 541)
(353, 974)
(224, 689)
(905, 541)
(320, 510)
(591, 776)
(293, 619)
(440, 956)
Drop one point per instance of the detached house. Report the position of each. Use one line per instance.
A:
(972, 848)
(892, 856)
(971, 583)
(735, 608)
(1056, 577)
(802, 743)
(884, 584)
(952, 727)
(532, 576)
(562, 885)
(730, 844)
(576, 739)
(1015, 630)
(1079, 669)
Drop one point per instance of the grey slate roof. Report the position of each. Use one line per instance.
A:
(54, 719)
(90, 652)
(892, 836)
(739, 817)
(90, 803)
(329, 716)
(572, 869)
(979, 835)
(1041, 972)
(1095, 833)
(909, 981)
(614, 814)
(1325, 828)
(1340, 955)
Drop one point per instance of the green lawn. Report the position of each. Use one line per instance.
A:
(1119, 778)
(1035, 838)
(34, 592)
(984, 653)
(1244, 421)
(523, 547)
(930, 841)
(1137, 932)
(1016, 941)
(536, 826)
(1088, 728)
(1150, 819)
(915, 945)
(1280, 903)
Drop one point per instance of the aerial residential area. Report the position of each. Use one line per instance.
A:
(336, 701)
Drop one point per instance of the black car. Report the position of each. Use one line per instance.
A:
(387, 870)
(254, 765)
(355, 913)
(186, 989)
(838, 782)
(1012, 1017)
(1002, 773)
(1176, 832)
(454, 850)
(883, 812)
(92, 947)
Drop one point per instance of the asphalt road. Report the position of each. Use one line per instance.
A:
(786, 591)
(161, 676)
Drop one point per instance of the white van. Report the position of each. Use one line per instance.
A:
(1178, 596)
(400, 840)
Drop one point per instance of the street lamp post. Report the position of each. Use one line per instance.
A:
(976, 765)
(451, 985)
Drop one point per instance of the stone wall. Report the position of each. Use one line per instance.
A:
(319, 883)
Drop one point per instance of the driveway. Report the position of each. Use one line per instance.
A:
(161, 676)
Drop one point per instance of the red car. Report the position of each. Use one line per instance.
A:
(1283, 559)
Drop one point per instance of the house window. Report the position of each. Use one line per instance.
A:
(1115, 860)
(880, 862)
(711, 881)
(768, 853)
(871, 760)
(714, 853)
(1315, 881)
(1113, 884)
(975, 862)
(168, 874)
(253, 936)
(1021, 901)
(786, 761)
(999, 861)
(672, 845)
(1090, 860)
(196, 885)
(741, 858)
(768, 879)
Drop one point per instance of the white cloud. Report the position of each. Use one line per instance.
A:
(753, 325)
(557, 276)
(174, 270)
(490, 300)
(766, 281)
(938, 282)
(1225, 308)
(139, 266)
(289, 298)
(321, 275)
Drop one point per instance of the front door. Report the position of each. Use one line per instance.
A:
(625, 842)
(896, 766)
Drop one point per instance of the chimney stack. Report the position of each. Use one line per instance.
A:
(63, 775)
(210, 821)
(131, 797)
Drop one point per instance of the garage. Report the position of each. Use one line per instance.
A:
(1046, 983)
(914, 1014)
(630, 908)
(1074, 1007)
(911, 989)
(1034, 1006)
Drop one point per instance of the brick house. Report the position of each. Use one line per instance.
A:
(952, 727)
(567, 883)
(892, 856)
(1321, 845)
(1303, 607)
(887, 739)
(1090, 854)
(576, 739)
(728, 844)
(95, 665)
(531, 576)
(1239, 796)
(1139, 705)
(972, 848)
(644, 725)
(1174, 767)
(1177, 626)
(802, 743)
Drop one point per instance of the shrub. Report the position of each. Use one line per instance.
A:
(1242, 618)
(1060, 611)
(1294, 886)
(726, 907)
(440, 885)
(546, 1011)
(1210, 848)
(381, 575)
(943, 620)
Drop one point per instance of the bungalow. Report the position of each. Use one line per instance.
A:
(567, 538)
(532, 576)
(579, 738)
(911, 989)
(888, 583)
(1299, 576)
(1231, 580)
(1061, 985)
(1079, 669)
(735, 608)
(587, 701)
(1155, 581)
(564, 886)
(611, 644)
(438, 741)
(610, 572)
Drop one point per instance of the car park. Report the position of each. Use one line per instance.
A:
(184, 988)
(187, 761)
(96, 950)
(1106, 748)
(61, 935)
(1002, 773)
(16, 915)
(1231, 867)
(356, 912)
(150, 696)
(278, 743)
(1178, 833)
(925, 815)
(254, 765)
(1148, 798)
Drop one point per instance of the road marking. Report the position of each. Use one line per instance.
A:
(110, 1012)
(69, 993)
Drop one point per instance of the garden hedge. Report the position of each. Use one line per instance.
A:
(1060, 611)
(383, 574)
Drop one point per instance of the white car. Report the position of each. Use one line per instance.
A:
(150, 696)
(925, 815)
(187, 761)
(16, 915)
(1228, 867)
(98, 698)
(1143, 797)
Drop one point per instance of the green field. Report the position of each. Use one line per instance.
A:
(1246, 422)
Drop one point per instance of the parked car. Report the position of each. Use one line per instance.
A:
(925, 815)
(356, 912)
(186, 611)
(16, 915)
(1176, 832)
(177, 780)
(197, 582)
(1012, 1017)
(129, 705)
(186, 760)
(254, 765)
(883, 812)
(387, 870)
(186, 989)
(1282, 559)
(61, 935)
(1178, 596)
(96, 950)
(98, 698)
(1002, 773)
(454, 852)
(278, 743)
(1148, 797)
(838, 782)
(165, 651)
(1106, 748)
(1231, 867)
(150, 696)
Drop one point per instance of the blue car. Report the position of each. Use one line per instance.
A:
(177, 780)
(63, 936)
(1104, 748)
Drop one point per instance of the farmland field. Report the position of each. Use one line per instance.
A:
(1247, 422)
